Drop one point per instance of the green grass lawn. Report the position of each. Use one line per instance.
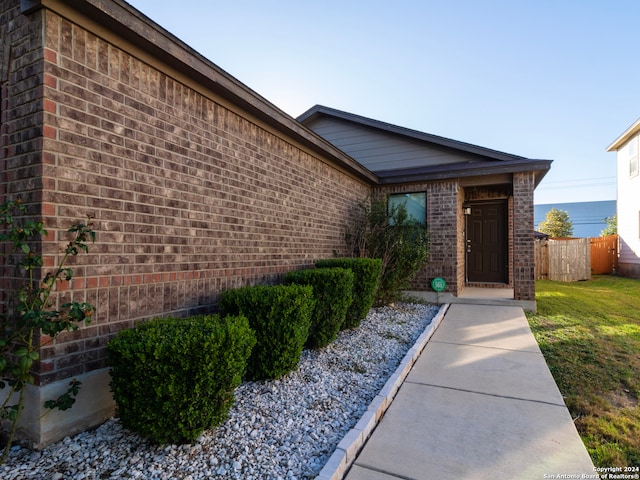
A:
(589, 333)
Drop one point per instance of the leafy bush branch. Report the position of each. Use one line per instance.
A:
(28, 312)
(388, 232)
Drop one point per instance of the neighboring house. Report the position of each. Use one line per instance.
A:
(197, 184)
(588, 218)
(628, 206)
(477, 203)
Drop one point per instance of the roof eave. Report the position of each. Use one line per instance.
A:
(626, 135)
(414, 175)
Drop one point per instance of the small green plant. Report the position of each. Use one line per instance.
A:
(389, 335)
(366, 272)
(333, 292)
(355, 367)
(173, 378)
(28, 311)
(387, 232)
(281, 317)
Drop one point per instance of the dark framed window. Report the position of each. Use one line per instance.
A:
(415, 203)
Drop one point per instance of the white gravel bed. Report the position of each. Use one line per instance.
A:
(276, 430)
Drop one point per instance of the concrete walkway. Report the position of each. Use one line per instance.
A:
(479, 403)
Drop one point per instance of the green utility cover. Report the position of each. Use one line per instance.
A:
(438, 284)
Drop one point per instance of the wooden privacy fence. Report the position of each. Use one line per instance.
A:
(604, 255)
(575, 259)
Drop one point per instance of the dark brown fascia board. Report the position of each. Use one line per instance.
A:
(133, 26)
(319, 110)
(444, 172)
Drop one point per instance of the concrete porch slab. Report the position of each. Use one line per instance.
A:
(479, 293)
(489, 299)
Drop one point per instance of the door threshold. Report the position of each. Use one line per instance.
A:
(504, 292)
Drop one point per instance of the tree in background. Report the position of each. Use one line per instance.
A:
(612, 226)
(556, 224)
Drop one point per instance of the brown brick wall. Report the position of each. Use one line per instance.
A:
(510, 239)
(20, 123)
(461, 245)
(20, 103)
(523, 243)
(189, 197)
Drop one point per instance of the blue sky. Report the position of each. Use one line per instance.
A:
(550, 79)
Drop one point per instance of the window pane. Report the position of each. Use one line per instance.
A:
(415, 203)
(633, 157)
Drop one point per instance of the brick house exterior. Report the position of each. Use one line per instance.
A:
(195, 183)
(459, 182)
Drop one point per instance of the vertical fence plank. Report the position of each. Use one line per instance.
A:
(542, 259)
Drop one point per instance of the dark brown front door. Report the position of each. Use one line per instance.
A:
(486, 242)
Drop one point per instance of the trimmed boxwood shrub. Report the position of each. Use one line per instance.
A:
(280, 315)
(173, 378)
(333, 292)
(366, 279)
